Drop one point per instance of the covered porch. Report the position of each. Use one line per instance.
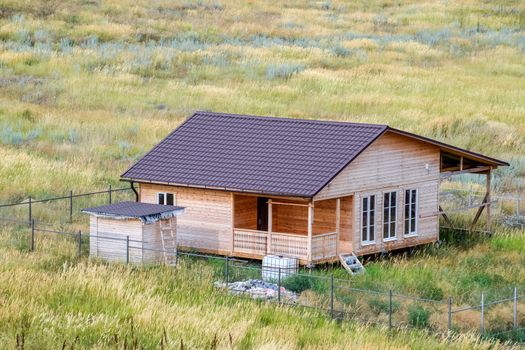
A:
(307, 230)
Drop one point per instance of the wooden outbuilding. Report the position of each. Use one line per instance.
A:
(134, 232)
(254, 186)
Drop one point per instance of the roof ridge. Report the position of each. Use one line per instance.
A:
(283, 119)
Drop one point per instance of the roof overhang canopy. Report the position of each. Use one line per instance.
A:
(456, 160)
(146, 212)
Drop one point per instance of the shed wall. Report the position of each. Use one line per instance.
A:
(108, 239)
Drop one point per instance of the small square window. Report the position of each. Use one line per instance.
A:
(165, 198)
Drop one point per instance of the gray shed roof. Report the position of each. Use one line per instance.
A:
(267, 155)
(146, 212)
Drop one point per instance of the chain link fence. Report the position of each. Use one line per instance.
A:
(502, 317)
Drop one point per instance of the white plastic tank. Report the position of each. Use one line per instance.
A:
(272, 264)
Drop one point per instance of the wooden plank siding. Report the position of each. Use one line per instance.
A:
(346, 234)
(110, 243)
(206, 224)
(245, 209)
(324, 216)
(392, 163)
(152, 243)
(290, 219)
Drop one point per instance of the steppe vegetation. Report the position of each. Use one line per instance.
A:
(86, 87)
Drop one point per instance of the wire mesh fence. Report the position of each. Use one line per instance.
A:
(65, 208)
(503, 318)
(508, 209)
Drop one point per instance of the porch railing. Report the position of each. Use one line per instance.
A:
(249, 241)
(289, 244)
(324, 246)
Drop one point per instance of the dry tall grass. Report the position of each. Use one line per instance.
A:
(49, 299)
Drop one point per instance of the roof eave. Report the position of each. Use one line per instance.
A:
(218, 188)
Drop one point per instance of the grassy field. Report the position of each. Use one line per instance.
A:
(50, 299)
(88, 86)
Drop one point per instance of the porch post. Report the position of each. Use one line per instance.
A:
(269, 236)
(337, 223)
(489, 216)
(310, 232)
(232, 223)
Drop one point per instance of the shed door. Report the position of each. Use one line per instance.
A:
(262, 214)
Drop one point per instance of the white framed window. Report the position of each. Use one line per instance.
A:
(165, 198)
(411, 211)
(368, 219)
(389, 215)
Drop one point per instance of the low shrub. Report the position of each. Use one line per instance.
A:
(379, 305)
(283, 71)
(300, 283)
(418, 316)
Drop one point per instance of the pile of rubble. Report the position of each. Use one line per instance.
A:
(258, 289)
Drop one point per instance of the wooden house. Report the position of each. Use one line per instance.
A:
(254, 186)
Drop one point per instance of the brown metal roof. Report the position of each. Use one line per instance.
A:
(277, 156)
(273, 156)
(134, 210)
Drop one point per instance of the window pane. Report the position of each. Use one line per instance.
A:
(386, 201)
(393, 214)
(372, 202)
(413, 225)
(372, 232)
(364, 233)
(385, 230)
(407, 197)
(392, 229)
(393, 198)
(169, 198)
(160, 199)
(414, 193)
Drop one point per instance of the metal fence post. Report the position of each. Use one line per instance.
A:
(449, 333)
(482, 325)
(32, 235)
(515, 309)
(79, 243)
(279, 286)
(29, 206)
(390, 309)
(70, 206)
(127, 249)
(332, 295)
(226, 272)
(109, 192)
